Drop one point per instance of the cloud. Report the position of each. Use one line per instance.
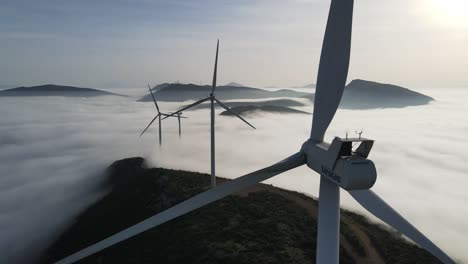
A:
(53, 152)
(420, 154)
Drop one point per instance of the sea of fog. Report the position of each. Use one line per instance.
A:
(53, 151)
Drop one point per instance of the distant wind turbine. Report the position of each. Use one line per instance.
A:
(159, 115)
(212, 98)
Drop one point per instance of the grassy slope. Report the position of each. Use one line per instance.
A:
(261, 225)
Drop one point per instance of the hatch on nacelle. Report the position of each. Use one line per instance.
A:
(360, 147)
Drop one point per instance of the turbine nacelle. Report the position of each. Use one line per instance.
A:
(350, 169)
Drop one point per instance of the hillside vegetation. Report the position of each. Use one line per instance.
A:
(263, 224)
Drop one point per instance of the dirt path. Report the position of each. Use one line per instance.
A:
(372, 256)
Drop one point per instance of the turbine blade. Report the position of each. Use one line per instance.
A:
(187, 107)
(149, 125)
(333, 68)
(154, 99)
(191, 204)
(232, 112)
(378, 207)
(215, 73)
(170, 115)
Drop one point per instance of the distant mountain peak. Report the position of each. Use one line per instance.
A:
(361, 83)
(160, 86)
(235, 84)
(310, 85)
(363, 94)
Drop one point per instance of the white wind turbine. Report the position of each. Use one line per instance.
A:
(212, 98)
(159, 115)
(338, 164)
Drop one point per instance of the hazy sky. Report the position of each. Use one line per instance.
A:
(109, 43)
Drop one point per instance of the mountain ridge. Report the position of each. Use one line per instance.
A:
(178, 92)
(358, 94)
(55, 90)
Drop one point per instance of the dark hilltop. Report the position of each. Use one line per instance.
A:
(160, 86)
(361, 94)
(55, 90)
(262, 224)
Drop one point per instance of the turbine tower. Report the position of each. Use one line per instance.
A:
(212, 98)
(339, 165)
(179, 116)
(159, 115)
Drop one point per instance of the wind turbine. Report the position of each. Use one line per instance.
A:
(212, 98)
(338, 164)
(159, 115)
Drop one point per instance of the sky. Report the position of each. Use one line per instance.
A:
(123, 43)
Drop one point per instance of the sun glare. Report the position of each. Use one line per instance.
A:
(452, 13)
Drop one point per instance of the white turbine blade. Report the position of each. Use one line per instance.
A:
(333, 69)
(191, 204)
(154, 99)
(378, 207)
(232, 112)
(187, 107)
(149, 125)
(215, 73)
